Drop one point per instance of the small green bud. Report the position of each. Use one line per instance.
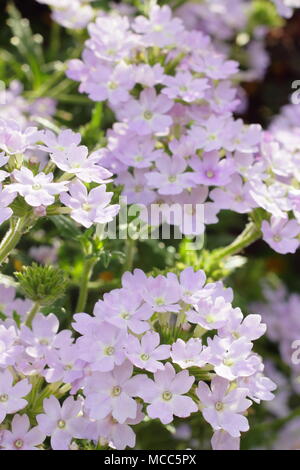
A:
(42, 284)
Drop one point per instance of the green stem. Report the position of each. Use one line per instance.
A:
(12, 237)
(246, 238)
(84, 286)
(130, 250)
(36, 307)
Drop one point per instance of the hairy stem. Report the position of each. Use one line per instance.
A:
(12, 237)
(246, 238)
(84, 286)
(36, 307)
(130, 250)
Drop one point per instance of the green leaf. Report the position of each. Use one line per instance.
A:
(66, 227)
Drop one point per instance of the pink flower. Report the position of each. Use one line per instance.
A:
(222, 408)
(62, 423)
(147, 354)
(165, 395)
(20, 437)
(11, 396)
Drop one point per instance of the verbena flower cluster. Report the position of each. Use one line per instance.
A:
(280, 311)
(171, 92)
(132, 359)
(33, 181)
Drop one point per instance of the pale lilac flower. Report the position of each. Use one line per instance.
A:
(166, 395)
(237, 326)
(111, 84)
(210, 313)
(118, 435)
(59, 143)
(163, 294)
(223, 98)
(89, 208)
(242, 138)
(111, 393)
(160, 29)
(231, 359)
(3, 161)
(149, 76)
(62, 423)
(139, 152)
(210, 135)
(281, 234)
(187, 354)
(103, 346)
(186, 87)
(215, 66)
(43, 336)
(149, 114)
(9, 347)
(211, 170)
(272, 198)
(12, 396)
(235, 195)
(171, 177)
(192, 211)
(136, 187)
(6, 198)
(64, 365)
(191, 283)
(36, 189)
(259, 387)
(45, 254)
(21, 437)
(222, 408)
(222, 440)
(147, 353)
(76, 161)
(13, 139)
(124, 309)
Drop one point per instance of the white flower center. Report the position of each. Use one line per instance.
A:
(18, 444)
(167, 395)
(116, 391)
(219, 406)
(61, 424)
(3, 398)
